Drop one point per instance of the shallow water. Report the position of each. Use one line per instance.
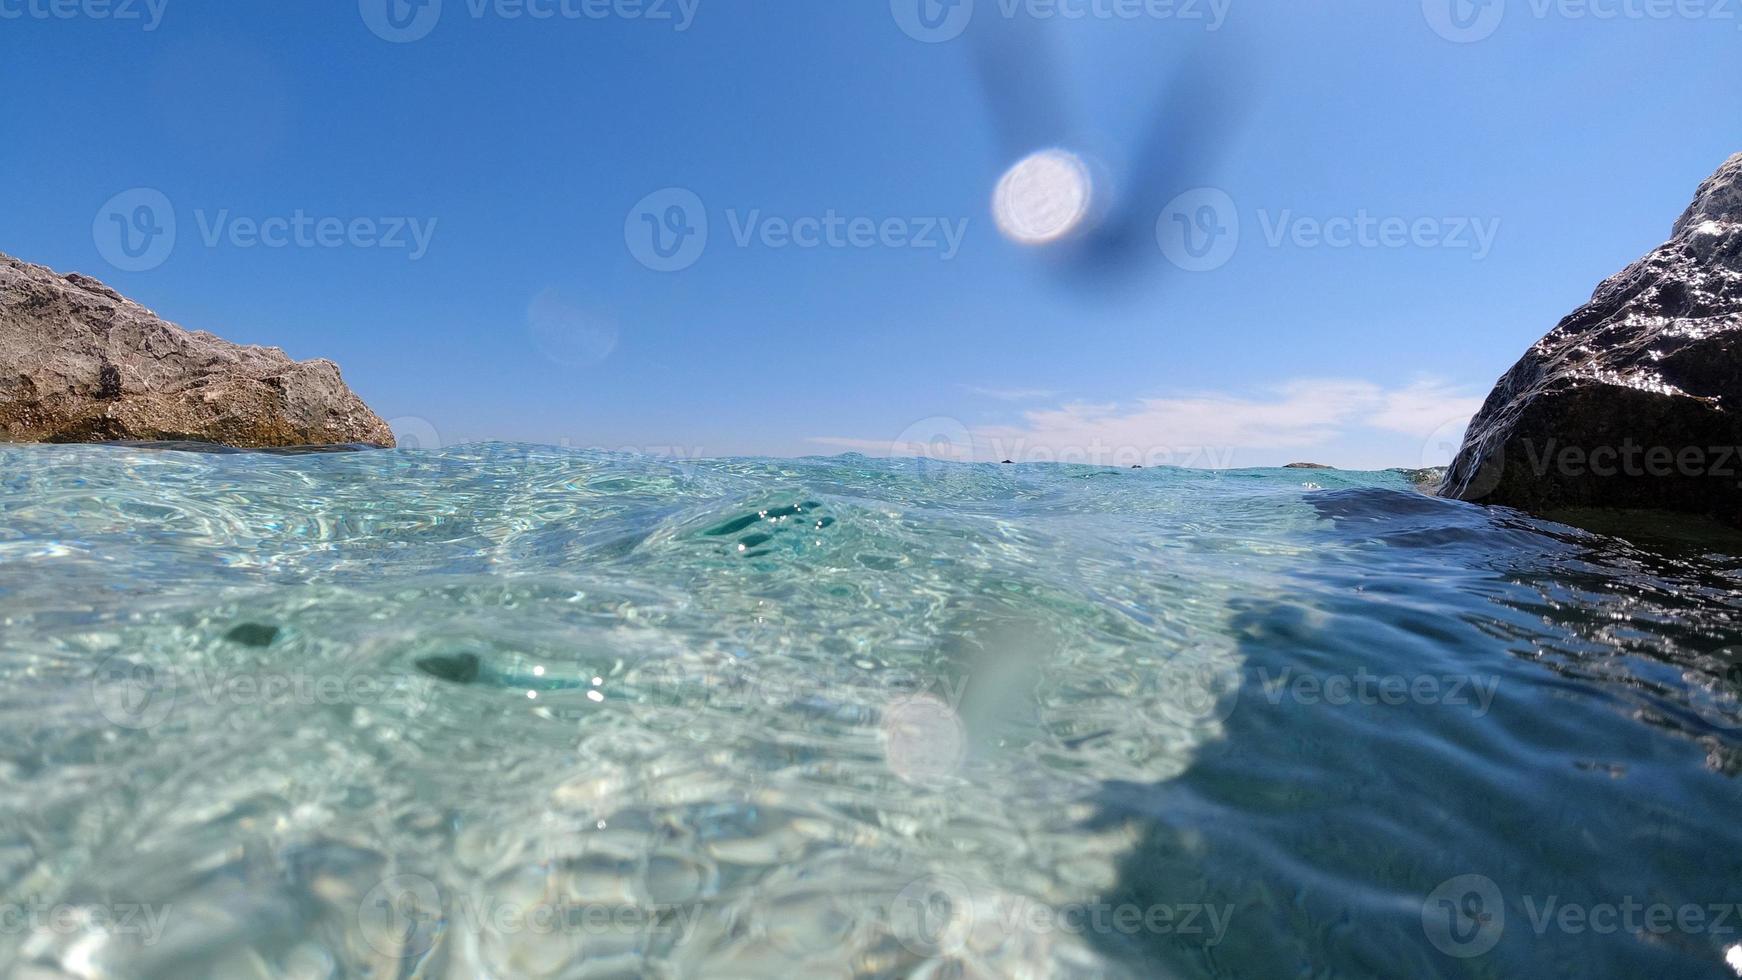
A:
(514, 711)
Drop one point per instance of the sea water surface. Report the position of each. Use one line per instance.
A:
(509, 711)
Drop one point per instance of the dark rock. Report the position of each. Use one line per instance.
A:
(1635, 400)
(1308, 466)
(460, 668)
(252, 634)
(1426, 480)
(81, 363)
(108, 382)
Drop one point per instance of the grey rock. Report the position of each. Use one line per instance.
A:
(1308, 466)
(79, 362)
(1635, 400)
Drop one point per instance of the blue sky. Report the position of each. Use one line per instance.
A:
(470, 189)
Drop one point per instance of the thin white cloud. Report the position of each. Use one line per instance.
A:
(1423, 408)
(1012, 394)
(1208, 429)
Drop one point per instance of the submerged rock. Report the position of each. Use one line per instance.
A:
(79, 362)
(461, 668)
(252, 634)
(1635, 400)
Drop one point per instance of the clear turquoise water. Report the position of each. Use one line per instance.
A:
(511, 711)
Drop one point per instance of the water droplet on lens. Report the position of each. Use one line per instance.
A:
(1045, 197)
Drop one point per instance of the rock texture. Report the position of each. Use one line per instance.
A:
(79, 362)
(1635, 400)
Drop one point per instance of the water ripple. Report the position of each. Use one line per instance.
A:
(518, 711)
